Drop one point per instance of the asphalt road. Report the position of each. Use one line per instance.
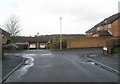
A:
(59, 66)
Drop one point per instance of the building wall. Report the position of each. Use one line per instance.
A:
(106, 27)
(101, 28)
(5, 38)
(95, 35)
(87, 42)
(119, 27)
(0, 46)
(115, 28)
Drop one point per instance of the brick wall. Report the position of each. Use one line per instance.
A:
(119, 27)
(87, 42)
(115, 27)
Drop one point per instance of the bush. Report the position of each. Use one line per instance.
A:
(56, 45)
(15, 47)
(21, 46)
(116, 50)
(113, 43)
(9, 47)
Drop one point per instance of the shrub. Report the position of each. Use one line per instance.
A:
(9, 47)
(21, 46)
(56, 44)
(15, 47)
(116, 50)
(114, 45)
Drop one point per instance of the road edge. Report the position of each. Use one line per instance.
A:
(6, 76)
(103, 66)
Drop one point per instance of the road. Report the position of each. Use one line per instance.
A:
(59, 66)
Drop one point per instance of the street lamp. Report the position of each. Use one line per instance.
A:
(60, 33)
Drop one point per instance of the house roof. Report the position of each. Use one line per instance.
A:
(4, 32)
(92, 30)
(108, 20)
(29, 39)
(103, 33)
(45, 38)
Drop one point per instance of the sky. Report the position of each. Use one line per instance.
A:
(43, 16)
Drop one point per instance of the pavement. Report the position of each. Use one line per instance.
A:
(109, 61)
(9, 63)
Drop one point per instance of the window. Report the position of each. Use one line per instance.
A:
(109, 26)
(98, 28)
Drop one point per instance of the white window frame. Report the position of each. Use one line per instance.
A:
(98, 28)
(109, 26)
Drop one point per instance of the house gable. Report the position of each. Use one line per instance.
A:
(109, 24)
(5, 36)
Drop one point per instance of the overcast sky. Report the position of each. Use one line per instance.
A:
(43, 15)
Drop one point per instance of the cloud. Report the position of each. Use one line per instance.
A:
(43, 15)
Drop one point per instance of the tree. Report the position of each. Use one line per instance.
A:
(12, 26)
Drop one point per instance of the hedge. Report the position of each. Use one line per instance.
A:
(56, 45)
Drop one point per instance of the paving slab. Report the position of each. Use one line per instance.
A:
(9, 63)
(108, 60)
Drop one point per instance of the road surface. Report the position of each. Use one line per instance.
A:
(59, 66)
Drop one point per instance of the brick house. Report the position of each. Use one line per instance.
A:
(106, 30)
(5, 36)
(107, 27)
(4, 39)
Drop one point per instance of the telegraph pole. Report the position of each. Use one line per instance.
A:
(60, 33)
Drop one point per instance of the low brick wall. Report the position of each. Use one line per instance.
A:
(87, 42)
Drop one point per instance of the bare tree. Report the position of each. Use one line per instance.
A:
(12, 26)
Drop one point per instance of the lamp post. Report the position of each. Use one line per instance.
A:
(60, 33)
